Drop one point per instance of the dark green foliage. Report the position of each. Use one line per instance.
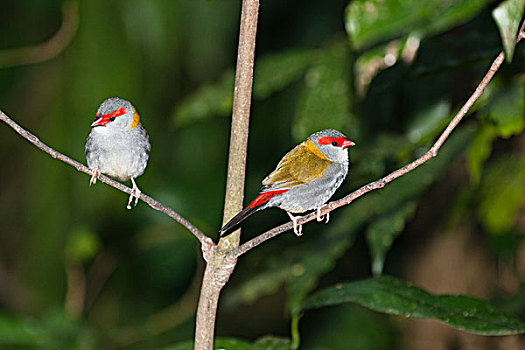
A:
(54, 330)
(382, 233)
(370, 21)
(393, 296)
(325, 100)
(508, 17)
(272, 73)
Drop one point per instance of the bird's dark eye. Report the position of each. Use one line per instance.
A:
(335, 143)
(111, 119)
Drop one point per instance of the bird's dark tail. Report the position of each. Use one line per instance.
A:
(236, 220)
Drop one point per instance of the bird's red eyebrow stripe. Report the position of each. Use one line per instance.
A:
(326, 140)
(265, 197)
(115, 113)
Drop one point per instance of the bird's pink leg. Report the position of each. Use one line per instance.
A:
(297, 229)
(135, 192)
(320, 218)
(94, 174)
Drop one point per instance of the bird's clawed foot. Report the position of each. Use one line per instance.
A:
(297, 229)
(95, 172)
(321, 218)
(135, 192)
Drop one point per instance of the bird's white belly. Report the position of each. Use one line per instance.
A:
(117, 164)
(122, 162)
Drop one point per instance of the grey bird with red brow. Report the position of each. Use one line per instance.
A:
(305, 179)
(118, 144)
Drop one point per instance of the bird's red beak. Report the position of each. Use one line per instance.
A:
(100, 121)
(103, 119)
(347, 143)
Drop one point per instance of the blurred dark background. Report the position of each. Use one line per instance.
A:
(79, 271)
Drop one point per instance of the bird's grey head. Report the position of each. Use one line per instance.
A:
(333, 144)
(115, 113)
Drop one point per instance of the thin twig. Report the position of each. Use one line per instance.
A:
(392, 176)
(205, 240)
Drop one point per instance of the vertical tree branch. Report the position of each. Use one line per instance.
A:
(233, 200)
(220, 264)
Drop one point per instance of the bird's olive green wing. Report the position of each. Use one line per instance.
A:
(304, 163)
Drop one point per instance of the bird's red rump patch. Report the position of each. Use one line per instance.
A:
(265, 197)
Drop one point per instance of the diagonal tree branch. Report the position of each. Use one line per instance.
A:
(205, 240)
(432, 152)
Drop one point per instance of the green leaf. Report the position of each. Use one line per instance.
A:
(506, 107)
(369, 22)
(508, 17)
(393, 296)
(325, 99)
(479, 151)
(503, 114)
(382, 232)
(502, 194)
(271, 343)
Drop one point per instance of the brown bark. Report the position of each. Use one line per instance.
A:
(220, 263)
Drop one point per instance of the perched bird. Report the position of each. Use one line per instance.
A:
(118, 144)
(305, 178)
